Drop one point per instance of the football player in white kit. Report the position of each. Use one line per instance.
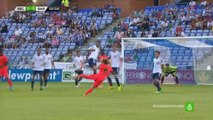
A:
(93, 57)
(48, 65)
(78, 64)
(115, 59)
(38, 68)
(157, 70)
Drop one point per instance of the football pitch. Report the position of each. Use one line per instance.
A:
(62, 101)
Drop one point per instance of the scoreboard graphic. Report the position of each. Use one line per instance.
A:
(35, 8)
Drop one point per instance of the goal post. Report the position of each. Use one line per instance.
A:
(193, 57)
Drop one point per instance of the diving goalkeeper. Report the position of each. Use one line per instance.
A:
(170, 70)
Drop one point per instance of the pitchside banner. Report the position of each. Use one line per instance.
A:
(145, 76)
(25, 75)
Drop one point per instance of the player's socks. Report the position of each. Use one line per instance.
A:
(9, 82)
(176, 80)
(88, 92)
(157, 85)
(32, 85)
(162, 80)
(76, 82)
(41, 85)
(117, 81)
(109, 81)
(45, 83)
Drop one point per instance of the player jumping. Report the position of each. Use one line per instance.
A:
(4, 68)
(104, 71)
(92, 59)
(157, 70)
(170, 70)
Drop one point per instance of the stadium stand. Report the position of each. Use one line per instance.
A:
(63, 33)
(22, 33)
(165, 21)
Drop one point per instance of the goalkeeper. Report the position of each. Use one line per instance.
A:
(170, 70)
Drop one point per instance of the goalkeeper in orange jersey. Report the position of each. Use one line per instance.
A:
(104, 72)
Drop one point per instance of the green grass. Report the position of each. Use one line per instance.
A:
(62, 101)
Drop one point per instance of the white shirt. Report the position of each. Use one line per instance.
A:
(203, 3)
(192, 3)
(78, 62)
(157, 65)
(38, 62)
(94, 54)
(115, 58)
(136, 20)
(48, 59)
(18, 32)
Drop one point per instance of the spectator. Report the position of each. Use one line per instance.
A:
(75, 7)
(118, 35)
(4, 28)
(143, 34)
(93, 28)
(192, 4)
(55, 41)
(59, 31)
(130, 33)
(18, 31)
(179, 30)
(155, 34)
(49, 32)
(115, 15)
(110, 41)
(135, 21)
(24, 63)
(1, 40)
(209, 24)
(203, 3)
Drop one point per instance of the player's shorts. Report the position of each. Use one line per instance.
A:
(4, 73)
(156, 76)
(79, 72)
(115, 70)
(92, 62)
(173, 73)
(97, 83)
(46, 71)
(35, 72)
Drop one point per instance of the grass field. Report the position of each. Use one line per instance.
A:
(62, 101)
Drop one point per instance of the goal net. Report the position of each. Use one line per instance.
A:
(193, 57)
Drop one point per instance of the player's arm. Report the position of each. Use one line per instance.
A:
(52, 62)
(121, 60)
(91, 48)
(110, 60)
(82, 64)
(162, 63)
(53, 65)
(33, 62)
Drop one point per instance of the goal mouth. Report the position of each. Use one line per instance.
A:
(191, 55)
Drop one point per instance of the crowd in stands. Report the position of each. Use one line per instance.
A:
(170, 21)
(56, 26)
